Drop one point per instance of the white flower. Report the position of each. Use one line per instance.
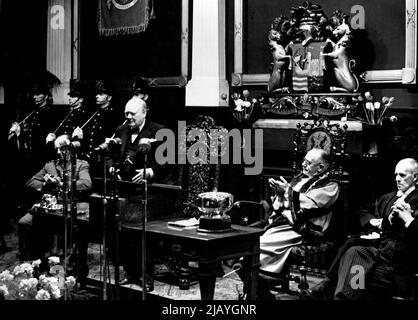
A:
(43, 295)
(32, 283)
(23, 284)
(70, 282)
(369, 105)
(6, 276)
(55, 292)
(53, 260)
(238, 102)
(49, 281)
(22, 269)
(17, 270)
(246, 104)
(245, 93)
(36, 263)
(4, 291)
(238, 108)
(391, 99)
(393, 119)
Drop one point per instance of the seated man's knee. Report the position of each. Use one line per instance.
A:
(26, 220)
(354, 249)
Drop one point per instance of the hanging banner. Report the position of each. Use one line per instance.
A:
(118, 17)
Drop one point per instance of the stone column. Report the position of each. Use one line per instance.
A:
(208, 82)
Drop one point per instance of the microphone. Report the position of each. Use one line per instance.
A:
(75, 144)
(144, 145)
(108, 143)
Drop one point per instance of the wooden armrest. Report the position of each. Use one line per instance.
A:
(261, 213)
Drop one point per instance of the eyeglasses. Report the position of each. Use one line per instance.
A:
(310, 163)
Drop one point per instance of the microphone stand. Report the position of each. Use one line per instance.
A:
(114, 199)
(104, 201)
(73, 201)
(65, 212)
(144, 225)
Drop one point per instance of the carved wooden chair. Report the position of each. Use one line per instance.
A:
(195, 178)
(202, 175)
(316, 252)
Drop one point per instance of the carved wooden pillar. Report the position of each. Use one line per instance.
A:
(208, 83)
(236, 78)
(184, 37)
(61, 32)
(1, 94)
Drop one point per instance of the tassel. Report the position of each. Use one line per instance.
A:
(152, 13)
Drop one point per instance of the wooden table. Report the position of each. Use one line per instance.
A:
(208, 249)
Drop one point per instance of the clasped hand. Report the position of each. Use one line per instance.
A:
(52, 180)
(401, 209)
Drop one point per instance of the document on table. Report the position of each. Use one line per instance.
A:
(184, 223)
(373, 235)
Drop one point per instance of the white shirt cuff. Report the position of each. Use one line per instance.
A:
(151, 173)
(408, 222)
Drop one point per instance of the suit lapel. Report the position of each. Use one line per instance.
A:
(391, 200)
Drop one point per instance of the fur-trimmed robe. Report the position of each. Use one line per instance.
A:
(311, 199)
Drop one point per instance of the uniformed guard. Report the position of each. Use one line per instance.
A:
(99, 125)
(75, 117)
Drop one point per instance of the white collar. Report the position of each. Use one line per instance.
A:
(140, 128)
(406, 193)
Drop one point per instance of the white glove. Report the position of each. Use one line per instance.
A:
(77, 133)
(50, 137)
(15, 128)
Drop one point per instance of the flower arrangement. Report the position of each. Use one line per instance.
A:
(243, 106)
(375, 110)
(25, 282)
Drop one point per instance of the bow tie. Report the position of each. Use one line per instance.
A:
(134, 131)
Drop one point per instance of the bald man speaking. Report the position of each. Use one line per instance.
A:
(136, 136)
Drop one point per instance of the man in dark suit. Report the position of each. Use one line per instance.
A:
(382, 265)
(136, 138)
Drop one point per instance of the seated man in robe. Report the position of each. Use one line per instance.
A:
(383, 263)
(303, 205)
